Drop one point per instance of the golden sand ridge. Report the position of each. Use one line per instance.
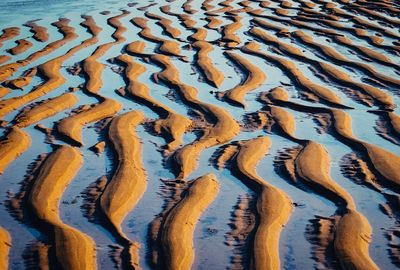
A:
(273, 206)
(5, 244)
(255, 77)
(212, 74)
(73, 249)
(311, 164)
(173, 124)
(223, 129)
(39, 32)
(129, 182)
(294, 73)
(15, 143)
(178, 227)
(222, 134)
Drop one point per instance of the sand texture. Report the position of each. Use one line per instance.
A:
(129, 181)
(200, 134)
(73, 249)
(178, 227)
(5, 244)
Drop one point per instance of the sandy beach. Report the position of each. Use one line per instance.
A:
(200, 134)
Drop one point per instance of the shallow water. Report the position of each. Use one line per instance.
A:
(211, 250)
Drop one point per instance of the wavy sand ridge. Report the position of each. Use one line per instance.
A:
(188, 8)
(363, 51)
(5, 245)
(340, 39)
(39, 32)
(146, 7)
(312, 166)
(136, 48)
(353, 232)
(213, 76)
(273, 206)
(68, 33)
(206, 5)
(166, 25)
(388, 126)
(374, 14)
(22, 46)
(178, 227)
(200, 34)
(356, 32)
(385, 162)
(213, 22)
(71, 127)
(329, 70)
(168, 47)
(326, 50)
(50, 71)
(53, 79)
(129, 182)
(119, 28)
(4, 91)
(173, 124)
(335, 56)
(367, 23)
(73, 249)
(267, 25)
(352, 238)
(336, 14)
(376, 40)
(92, 68)
(184, 19)
(145, 33)
(12, 146)
(225, 7)
(294, 73)
(223, 129)
(384, 6)
(238, 11)
(384, 99)
(229, 30)
(91, 26)
(166, 9)
(9, 33)
(4, 59)
(394, 120)
(45, 109)
(271, 116)
(366, 52)
(22, 81)
(285, 120)
(254, 78)
(187, 21)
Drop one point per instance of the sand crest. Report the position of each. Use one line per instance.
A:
(5, 244)
(13, 145)
(178, 227)
(129, 182)
(73, 249)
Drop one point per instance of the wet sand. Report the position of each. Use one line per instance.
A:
(200, 135)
